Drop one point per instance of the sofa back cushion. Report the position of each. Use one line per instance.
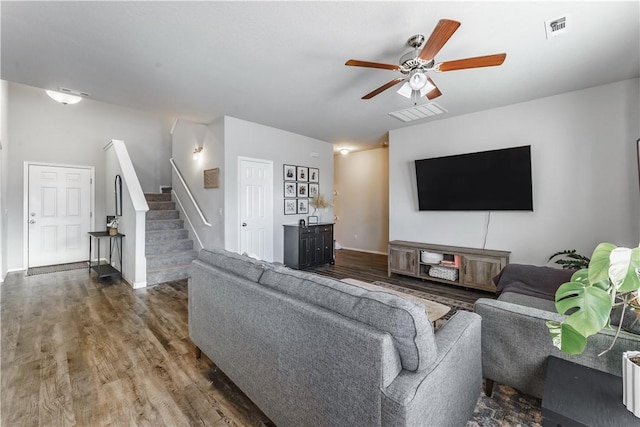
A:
(404, 320)
(243, 266)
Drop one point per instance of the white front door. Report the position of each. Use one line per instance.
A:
(59, 214)
(256, 208)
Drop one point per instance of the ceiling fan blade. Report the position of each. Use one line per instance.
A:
(383, 88)
(433, 93)
(477, 62)
(357, 63)
(443, 31)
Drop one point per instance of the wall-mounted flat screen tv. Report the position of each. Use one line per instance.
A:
(496, 180)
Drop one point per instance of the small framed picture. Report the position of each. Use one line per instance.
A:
(303, 173)
(314, 190)
(314, 175)
(289, 173)
(290, 189)
(302, 189)
(303, 206)
(290, 206)
(313, 219)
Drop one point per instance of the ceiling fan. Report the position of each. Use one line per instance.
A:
(414, 65)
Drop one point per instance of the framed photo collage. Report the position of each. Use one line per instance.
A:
(301, 183)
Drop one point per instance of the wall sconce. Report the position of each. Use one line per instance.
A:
(197, 153)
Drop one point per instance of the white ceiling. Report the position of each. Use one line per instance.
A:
(281, 64)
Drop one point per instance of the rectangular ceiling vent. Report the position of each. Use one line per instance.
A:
(418, 112)
(556, 27)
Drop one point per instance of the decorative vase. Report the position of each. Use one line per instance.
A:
(631, 382)
(113, 231)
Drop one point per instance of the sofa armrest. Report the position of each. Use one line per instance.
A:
(516, 344)
(446, 392)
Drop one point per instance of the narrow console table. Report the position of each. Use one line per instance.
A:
(575, 395)
(469, 267)
(308, 246)
(115, 247)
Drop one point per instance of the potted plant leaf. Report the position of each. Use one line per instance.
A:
(610, 281)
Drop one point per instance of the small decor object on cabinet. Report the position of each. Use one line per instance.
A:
(290, 206)
(211, 178)
(312, 219)
(303, 189)
(290, 189)
(289, 173)
(303, 173)
(303, 206)
(314, 175)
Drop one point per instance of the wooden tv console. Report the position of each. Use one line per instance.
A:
(475, 267)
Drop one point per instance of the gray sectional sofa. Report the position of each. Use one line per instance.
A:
(516, 341)
(313, 351)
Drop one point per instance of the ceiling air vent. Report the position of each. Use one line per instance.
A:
(418, 112)
(556, 27)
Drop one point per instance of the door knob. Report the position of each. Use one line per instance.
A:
(244, 224)
(32, 221)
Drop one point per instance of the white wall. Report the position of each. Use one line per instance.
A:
(362, 204)
(246, 139)
(584, 166)
(186, 137)
(4, 172)
(43, 130)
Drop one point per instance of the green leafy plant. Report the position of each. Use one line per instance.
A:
(610, 280)
(571, 260)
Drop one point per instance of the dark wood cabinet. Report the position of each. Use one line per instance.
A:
(308, 246)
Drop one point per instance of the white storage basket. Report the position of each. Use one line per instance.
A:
(447, 273)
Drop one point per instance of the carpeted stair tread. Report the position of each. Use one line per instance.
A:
(168, 246)
(155, 261)
(156, 206)
(162, 214)
(157, 197)
(165, 235)
(164, 224)
(167, 189)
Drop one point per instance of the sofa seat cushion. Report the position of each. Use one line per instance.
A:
(406, 321)
(243, 266)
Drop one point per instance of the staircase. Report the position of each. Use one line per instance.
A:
(169, 250)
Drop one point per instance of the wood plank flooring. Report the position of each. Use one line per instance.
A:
(76, 351)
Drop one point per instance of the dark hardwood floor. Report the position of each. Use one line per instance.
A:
(77, 351)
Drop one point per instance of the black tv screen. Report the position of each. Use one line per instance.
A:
(496, 180)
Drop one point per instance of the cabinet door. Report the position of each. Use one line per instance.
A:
(478, 271)
(403, 260)
(306, 250)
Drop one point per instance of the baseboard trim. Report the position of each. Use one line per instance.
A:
(364, 250)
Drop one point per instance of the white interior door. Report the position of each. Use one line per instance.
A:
(59, 214)
(256, 208)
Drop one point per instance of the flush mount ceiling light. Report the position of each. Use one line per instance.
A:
(63, 98)
(196, 153)
(344, 151)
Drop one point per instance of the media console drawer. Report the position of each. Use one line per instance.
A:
(468, 267)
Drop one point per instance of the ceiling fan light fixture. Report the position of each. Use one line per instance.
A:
(408, 88)
(418, 80)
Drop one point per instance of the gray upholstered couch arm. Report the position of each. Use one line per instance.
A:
(516, 344)
(418, 398)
